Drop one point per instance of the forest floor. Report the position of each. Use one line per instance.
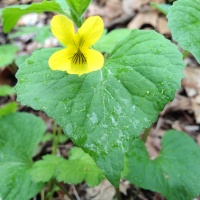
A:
(182, 114)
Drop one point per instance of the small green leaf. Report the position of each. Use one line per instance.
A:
(78, 6)
(8, 108)
(63, 138)
(7, 54)
(21, 59)
(63, 5)
(108, 41)
(48, 137)
(11, 15)
(104, 111)
(174, 173)
(6, 90)
(40, 33)
(79, 167)
(184, 24)
(164, 8)
(20, 133)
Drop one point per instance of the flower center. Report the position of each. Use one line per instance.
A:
(79, 58)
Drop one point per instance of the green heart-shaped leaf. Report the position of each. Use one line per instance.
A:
(184, 24)
(20, 133)
(174, 173)
(109, 41)
(104, 111)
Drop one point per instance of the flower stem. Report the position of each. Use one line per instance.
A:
(49, 195)
(42, 195)
(118, 195)
(185, 54)
(64, 190)
(56, 136)
(146, 134)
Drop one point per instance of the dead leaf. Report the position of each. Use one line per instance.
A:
(162, 26)
(196, 108)
(177, 126)
(130, 6)
(198, 139)
(148, 17)
(111, 10)
(124, 186)
(103, 191)
(9, 2)
(179, 103)
(191, 81)
(28, 20)
(153, 145)
(191, 128)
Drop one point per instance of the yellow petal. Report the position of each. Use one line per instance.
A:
(95, 60)
(90, 31)
(60, 60)
(63, 29)
(78, 68)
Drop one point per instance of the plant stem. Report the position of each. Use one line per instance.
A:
(52, 182)
(185, 53)
(118, 195)
(49, 195)
(55, 141)
(64, 190)
(42, 195)
(56, 136)
(145, 135)
(75, 192)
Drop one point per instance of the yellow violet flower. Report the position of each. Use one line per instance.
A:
(77, 57)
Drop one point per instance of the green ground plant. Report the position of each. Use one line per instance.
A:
(104, 112)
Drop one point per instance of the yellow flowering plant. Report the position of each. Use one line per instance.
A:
(102, 103)
(77, 58)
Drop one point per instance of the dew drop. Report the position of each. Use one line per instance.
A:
(169, 77)
(93, 118)
(30, 61)
(114, 121)
(69, 129)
